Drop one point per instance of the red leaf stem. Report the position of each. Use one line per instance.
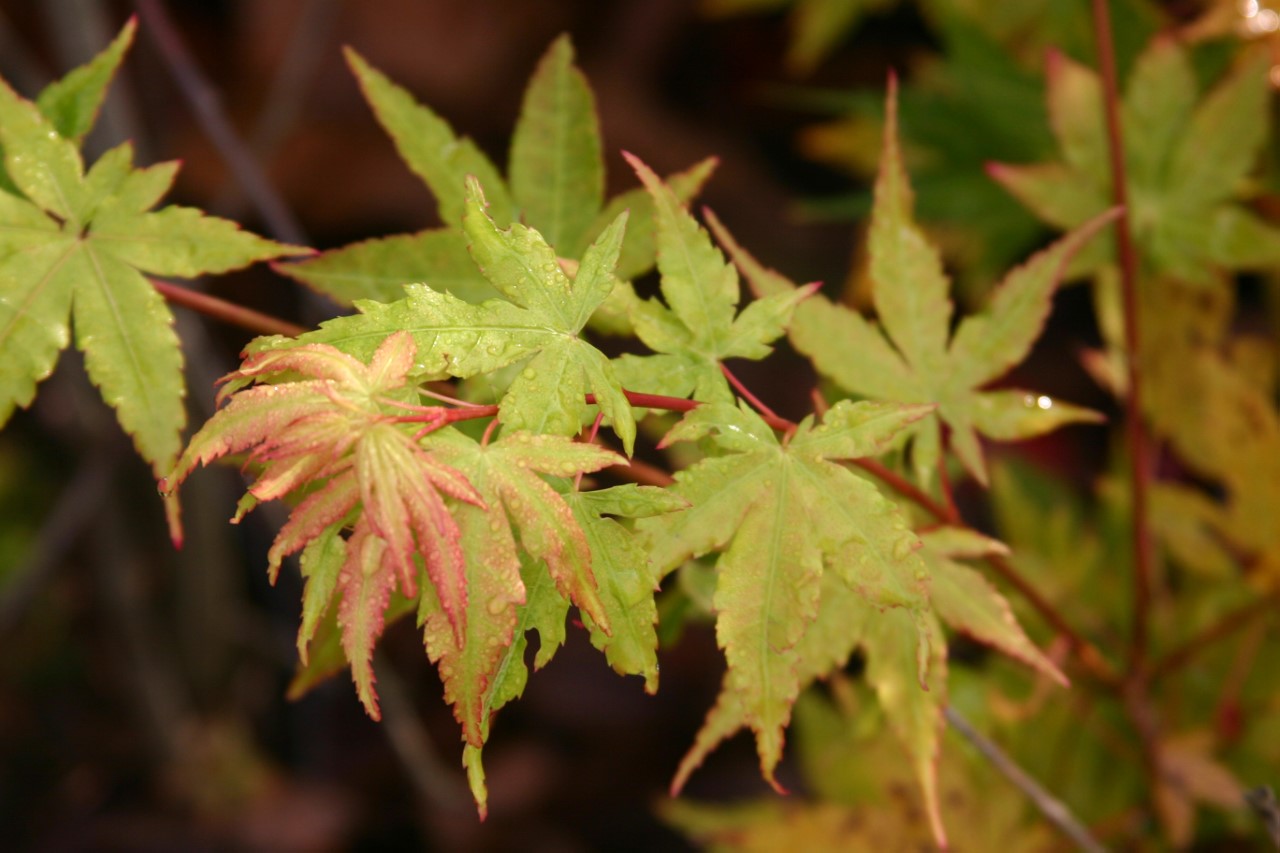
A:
(228, 312)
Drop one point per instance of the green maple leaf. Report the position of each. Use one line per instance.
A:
(627, 575)
(78, 245)
(702, 326)
(1187, 160)
(784, 517)
(906, 665)
(528, 559)
(959, 111)
(967, 602)
(556, 186)
(913, 357)
(339, 428)
(540, 319)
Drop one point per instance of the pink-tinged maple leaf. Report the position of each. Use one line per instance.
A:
(344, 432)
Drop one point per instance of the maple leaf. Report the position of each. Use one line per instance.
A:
(967, 601)
(627, 575)
(76, 244)
(960, 110)
(556, 186)
(699, 329)
(784, 518)
(913, 357)
(1186, 158)
(529, 558)
(338, 428)
(539, 319)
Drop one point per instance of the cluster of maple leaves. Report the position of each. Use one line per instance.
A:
(470, 508)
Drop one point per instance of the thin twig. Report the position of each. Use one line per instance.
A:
(1053, 809)
(287, 91)
(230, 312)
(1135, 430)
(1263, 802)
(1093, 659)
(1231, 622)
(1096, 663)
(205, 103)
(59, 531)
(909, 490)
(435, 785)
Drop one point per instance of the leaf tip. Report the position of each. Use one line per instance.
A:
(807, 290)
(997, 171)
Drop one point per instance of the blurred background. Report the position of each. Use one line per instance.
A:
(142, 690)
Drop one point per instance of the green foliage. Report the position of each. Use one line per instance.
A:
(556, 187)
(921, 361)
(1187, 160)
(447, 450)
(78, 244)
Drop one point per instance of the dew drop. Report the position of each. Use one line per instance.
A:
(529, 373)
(163, 487)
(496, 606)
(1037, 401)
(903, 548)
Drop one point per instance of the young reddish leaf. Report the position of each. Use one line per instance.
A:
(557, 171)
(336, 427)
(324, 658)
(472, 665)
(365, 583)
(401, 488)
(548, 529)
(510, 594)
(544, 611)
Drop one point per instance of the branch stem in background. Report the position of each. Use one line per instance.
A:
(1053, 809)
(206, 105)
(1135, 431)
(1093, 660)
(1231, 622)
(236, 315)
